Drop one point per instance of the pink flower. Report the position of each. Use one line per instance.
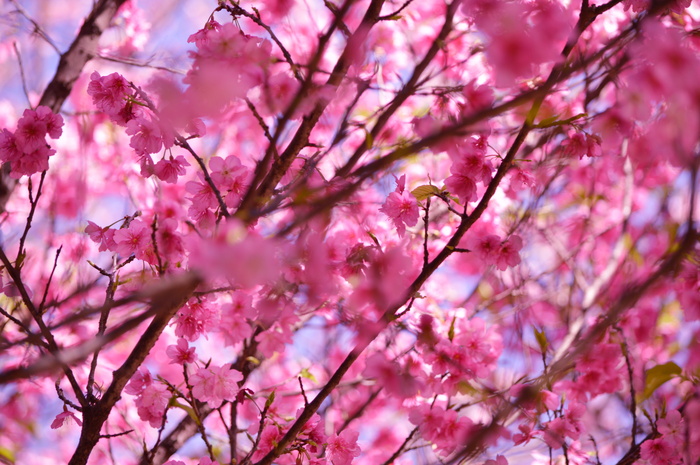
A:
(103, 236)
(31, 132)
(169, 169)
(152, 403)
(194, 319)
(268, 440)
(9, 150)
(54, 122)
(181, 353)
(146, 136)
(207, 461)
(64, 416)
(32, 162)
(401, 207)
(109, 93)
(659, 452)
(485, 248)
(509, 254)
(390, 376)
(341, 450)
(139, 381)
(499, 460)
(462, 186)
(133, 240)
(215, 384)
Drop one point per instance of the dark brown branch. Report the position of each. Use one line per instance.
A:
(170, 298)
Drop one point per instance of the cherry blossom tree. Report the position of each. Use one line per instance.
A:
(350, 232)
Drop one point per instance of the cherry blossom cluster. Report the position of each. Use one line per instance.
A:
(363, 233)
(26, 149)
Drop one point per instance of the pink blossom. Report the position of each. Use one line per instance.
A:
(133, 240)
(53, 121)
(509, 253)
(181, 353)
(109, 93)
(390, 376)
(103, 236)
(32, 162)
(169, 169)
(659, 452)
(343, 448)
(207, 461)
(485, 248)
(268, 440)
(151, 404)
(9, 150)
(31, 132)
(215, 384)
(195, 319)
(499, 460)
(64, 416)
(146, 136)
(402, 209)
(139, 381)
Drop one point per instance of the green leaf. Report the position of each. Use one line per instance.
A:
(547, 122)
(374, 238)
(542, 340)
(425, 191)
(305, 373)
(451, 332)
(270, 400)
(186, 408)
(7, 455)
(369, 140)
(658, 375)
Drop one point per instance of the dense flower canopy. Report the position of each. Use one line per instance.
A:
(350, 232)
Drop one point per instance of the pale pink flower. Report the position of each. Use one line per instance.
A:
(509, 253)
(146, 135)
(343, 448)
(102, 236)
(215, 384)
(133, 240)
(64, 416)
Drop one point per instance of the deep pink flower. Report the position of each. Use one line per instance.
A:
(31, 132)
(659, 452)
(402, 209)
(109, 93)
(168, 169)
(181, 353)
